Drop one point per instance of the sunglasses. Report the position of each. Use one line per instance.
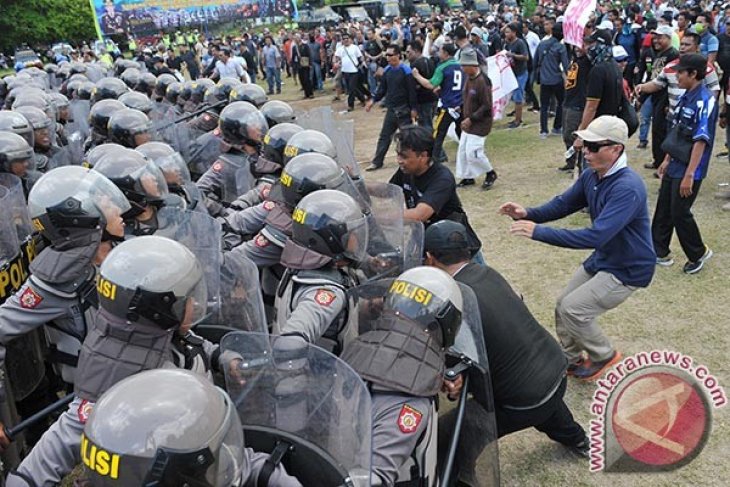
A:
(596, 146)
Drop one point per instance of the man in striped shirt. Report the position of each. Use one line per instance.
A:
(667, 79)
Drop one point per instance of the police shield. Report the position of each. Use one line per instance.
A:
(79, 122)
(235, 174)
(201, 234)
(299, 401)
(239, 304)
(341, 132)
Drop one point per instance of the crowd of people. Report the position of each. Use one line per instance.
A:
(161, 206)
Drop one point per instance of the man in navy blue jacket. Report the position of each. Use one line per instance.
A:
(620, 234)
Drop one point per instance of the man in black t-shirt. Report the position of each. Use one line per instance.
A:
(576, 82)
(604, 89)
(429, 189)
(425, 98)
(519, 54)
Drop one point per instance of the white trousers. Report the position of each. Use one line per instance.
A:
(471, 161)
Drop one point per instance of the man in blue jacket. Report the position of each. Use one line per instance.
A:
(620, 234)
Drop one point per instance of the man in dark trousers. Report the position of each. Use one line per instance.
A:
(527, 365)
(425, 97)
(397, 89)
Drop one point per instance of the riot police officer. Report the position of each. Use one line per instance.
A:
(242, 127)
(99, 117)
(130, 128)
(142, 183)
(78, 212)
(402, 357)
(109, 88)
(309, 141)
(12, 121)
(176, 172)
(16, 157)
(329, 236)
(251, 93)
(141, 309)
(137, 101)
(267, 166)
(43, 138)
(130, 426)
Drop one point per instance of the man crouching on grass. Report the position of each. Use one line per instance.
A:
(623, 258)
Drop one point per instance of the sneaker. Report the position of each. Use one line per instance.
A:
(665, 261)
(567, 168)
(350, 109)
(466, 182)
(514, 124)
(582, 449)
(642, 145)
(511, 114)
(543, 135)
(532, 110)
(590, 370)
(722, 154)
(649, 165)
(556, 132)
(695, 267)
(489, 180)
(572, 367)
(373, 167)
(723, 195)
(726, 207)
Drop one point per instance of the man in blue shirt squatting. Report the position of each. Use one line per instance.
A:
(696, 118)
(623, 258)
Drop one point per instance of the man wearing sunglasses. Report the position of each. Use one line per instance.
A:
(623, 259)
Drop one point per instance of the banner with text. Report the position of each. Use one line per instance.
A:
(144, 17)
(576, 17)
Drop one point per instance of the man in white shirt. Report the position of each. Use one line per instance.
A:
(227, 67)
(349, 57)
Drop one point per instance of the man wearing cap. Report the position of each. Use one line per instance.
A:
(476, 123)
(682, 171)
(604, 79)
(664, 54)
(527, 365)
(623, 259)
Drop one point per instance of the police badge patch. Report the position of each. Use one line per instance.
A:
(269, 205)
(409, 419)
(84, 411)
(30, 299)
(261, 241)
(324, 297)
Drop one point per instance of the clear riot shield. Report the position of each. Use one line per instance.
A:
(468, 354)
(413, 235)
(236, 176)
(297, 399)
(23, 359)
(201, 234)
(79, 122)
(178, 135)
(239, 305)
(386, 230)
(341, 132)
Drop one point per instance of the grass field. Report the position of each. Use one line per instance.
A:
(677, 312)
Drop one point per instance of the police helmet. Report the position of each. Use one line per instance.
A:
(185, 93)
(71, 88)
(100, 114)
(331, 223)
(98, 152)
(154, 281)
(50, 68)
(276, 139)
(163, 81)
(35, 116)
(309, 141)
(12, 121)
(142, 429)
(107, 88)
(72, 206)
(16, 155)
(129, 128)
(138, 101)
(146, 83)
(198, 89)
(77, 68)
(249, 92)
(169, 161)
(227, 85)
(429, 297)
(130, 77)
(139, 179)
(241, 123)
(85, 90)
(173, 91)
(60, 100)
(277, 111)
